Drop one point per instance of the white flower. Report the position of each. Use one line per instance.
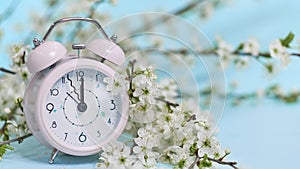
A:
(251, 46)
(177, 154)
(146, 76)
(278, 51)
(7, 110)
(116, 155)
(144, 148)
(146, 93)
(207, 9)
(150, 73)
(145, 142)
(204, 120)
(22, 73)
(18, 53)
(143, 112)
(163, 133)
(185, 135)
(224, 51)
(11, 88)
(209, 146)
(117, 84)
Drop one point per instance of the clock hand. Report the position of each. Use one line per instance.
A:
(71, 84)
(82, 90)
(82, 106)
(72, 97)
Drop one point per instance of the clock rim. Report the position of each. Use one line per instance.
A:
(50, 79)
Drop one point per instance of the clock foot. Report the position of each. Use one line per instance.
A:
(53, 156)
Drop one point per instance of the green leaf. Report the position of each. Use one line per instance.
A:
(205, 163)
(3, 149)
(193, 149)
(181, 163)
(289, 99)
(273, 88)
(287, 40)
(240, 47)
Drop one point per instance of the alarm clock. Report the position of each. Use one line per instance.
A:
(66, 104)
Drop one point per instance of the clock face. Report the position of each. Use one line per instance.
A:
(78, 110)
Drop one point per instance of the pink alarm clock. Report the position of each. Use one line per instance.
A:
(66, 104)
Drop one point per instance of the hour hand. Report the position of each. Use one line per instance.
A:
(72, 98)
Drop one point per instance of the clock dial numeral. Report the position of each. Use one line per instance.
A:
(98, 133)
(66, 135)
(63, 80)
(50, 107)
(113, 107)
(109, 121)
(54, 124)
(82, 138)
(54, 92)
(79, 75)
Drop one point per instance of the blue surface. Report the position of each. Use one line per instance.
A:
(31, 154)
(261, 134)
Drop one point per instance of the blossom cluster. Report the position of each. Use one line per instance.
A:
(11, 92)
(278, 49)
(158, 130)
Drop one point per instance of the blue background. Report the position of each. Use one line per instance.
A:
(261, 133)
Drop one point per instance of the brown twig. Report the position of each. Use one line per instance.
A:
(130, 74)
(206, 53)
(90, 14)
(18, 139)
(3, 128)
(7, 71)
(46, 16)
(19, 103)
(229, 163)
(219, 161)
(177, 12)
(188, 7)
(167, 102)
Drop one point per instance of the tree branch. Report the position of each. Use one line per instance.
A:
(51, 9)
(7, 71)
(229, 163)
(205, 53)
(78, 26)
(219, 161)
(180, 11)
(3, 128)
(18, 139)
(187, 8)
(130, 75)
(167, 102)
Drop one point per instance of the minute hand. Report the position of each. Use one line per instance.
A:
(82, 106)
(82, 90)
